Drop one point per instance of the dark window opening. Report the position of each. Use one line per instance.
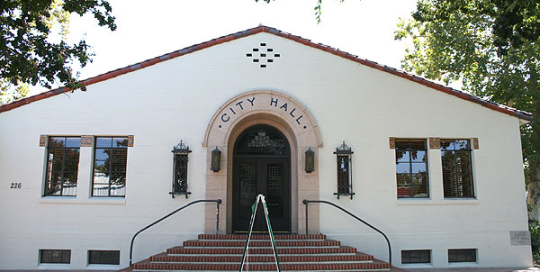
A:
(55, 256)
(111, 257)
(415, 256)
(462, 255)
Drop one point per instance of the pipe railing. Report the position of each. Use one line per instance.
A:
(218, 201)
(306, 202)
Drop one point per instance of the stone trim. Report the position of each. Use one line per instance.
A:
(42, 140)
(392, 142)
(298, 126)
(87, 141)
(131, 140)
(434, 143)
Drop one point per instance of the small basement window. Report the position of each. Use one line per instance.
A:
(108, 257)
(55, 256)
(416, 256)
(462, 255)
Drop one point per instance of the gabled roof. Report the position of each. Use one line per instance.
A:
(128, 69)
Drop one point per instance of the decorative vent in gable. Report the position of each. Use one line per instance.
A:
(263, 55)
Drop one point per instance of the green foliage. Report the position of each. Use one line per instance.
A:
(513, 23)
(28, 54)
(534, 229)
(9, 93)
(491, 47)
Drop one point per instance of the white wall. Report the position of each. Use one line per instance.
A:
(174, 100)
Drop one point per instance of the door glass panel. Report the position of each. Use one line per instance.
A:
(248, 189)
(274, 190)
(262, 141)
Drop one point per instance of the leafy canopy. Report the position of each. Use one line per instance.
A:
(492, 47)
(28, 52)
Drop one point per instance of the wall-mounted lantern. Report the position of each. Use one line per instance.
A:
(216, 160)
(310, 161)
(180, 166)
(344, 171)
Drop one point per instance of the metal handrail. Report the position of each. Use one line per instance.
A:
(218, 201)
(306, 202)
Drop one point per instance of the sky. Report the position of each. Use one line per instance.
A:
(147, 29)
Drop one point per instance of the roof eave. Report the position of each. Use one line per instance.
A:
(525, 116)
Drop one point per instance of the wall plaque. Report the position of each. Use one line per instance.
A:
(520, 238)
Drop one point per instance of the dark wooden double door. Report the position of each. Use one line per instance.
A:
(266, 173)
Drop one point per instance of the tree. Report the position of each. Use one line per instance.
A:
(492, 47)
(28, 52)
(9, 93)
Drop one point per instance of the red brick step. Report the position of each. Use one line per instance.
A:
(217, 252)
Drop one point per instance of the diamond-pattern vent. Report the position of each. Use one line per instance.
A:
(263, 55)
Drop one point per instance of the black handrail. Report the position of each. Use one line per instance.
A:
(306, 202)
(218, 201)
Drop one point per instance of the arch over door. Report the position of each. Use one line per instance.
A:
(261, 165)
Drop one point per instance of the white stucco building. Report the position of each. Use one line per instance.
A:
(439, 171)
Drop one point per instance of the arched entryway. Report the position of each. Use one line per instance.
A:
(261, 165)
(280, 114)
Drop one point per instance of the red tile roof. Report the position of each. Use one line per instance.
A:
(259, 29)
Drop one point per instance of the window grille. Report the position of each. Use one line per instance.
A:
(344, 171)
(180, 165)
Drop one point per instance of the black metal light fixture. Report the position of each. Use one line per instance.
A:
(180, 167)
(344, 170)
(310, 161)
(216, 160)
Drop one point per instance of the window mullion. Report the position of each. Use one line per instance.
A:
(110, 171)
(63, 170)
(411, 175)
